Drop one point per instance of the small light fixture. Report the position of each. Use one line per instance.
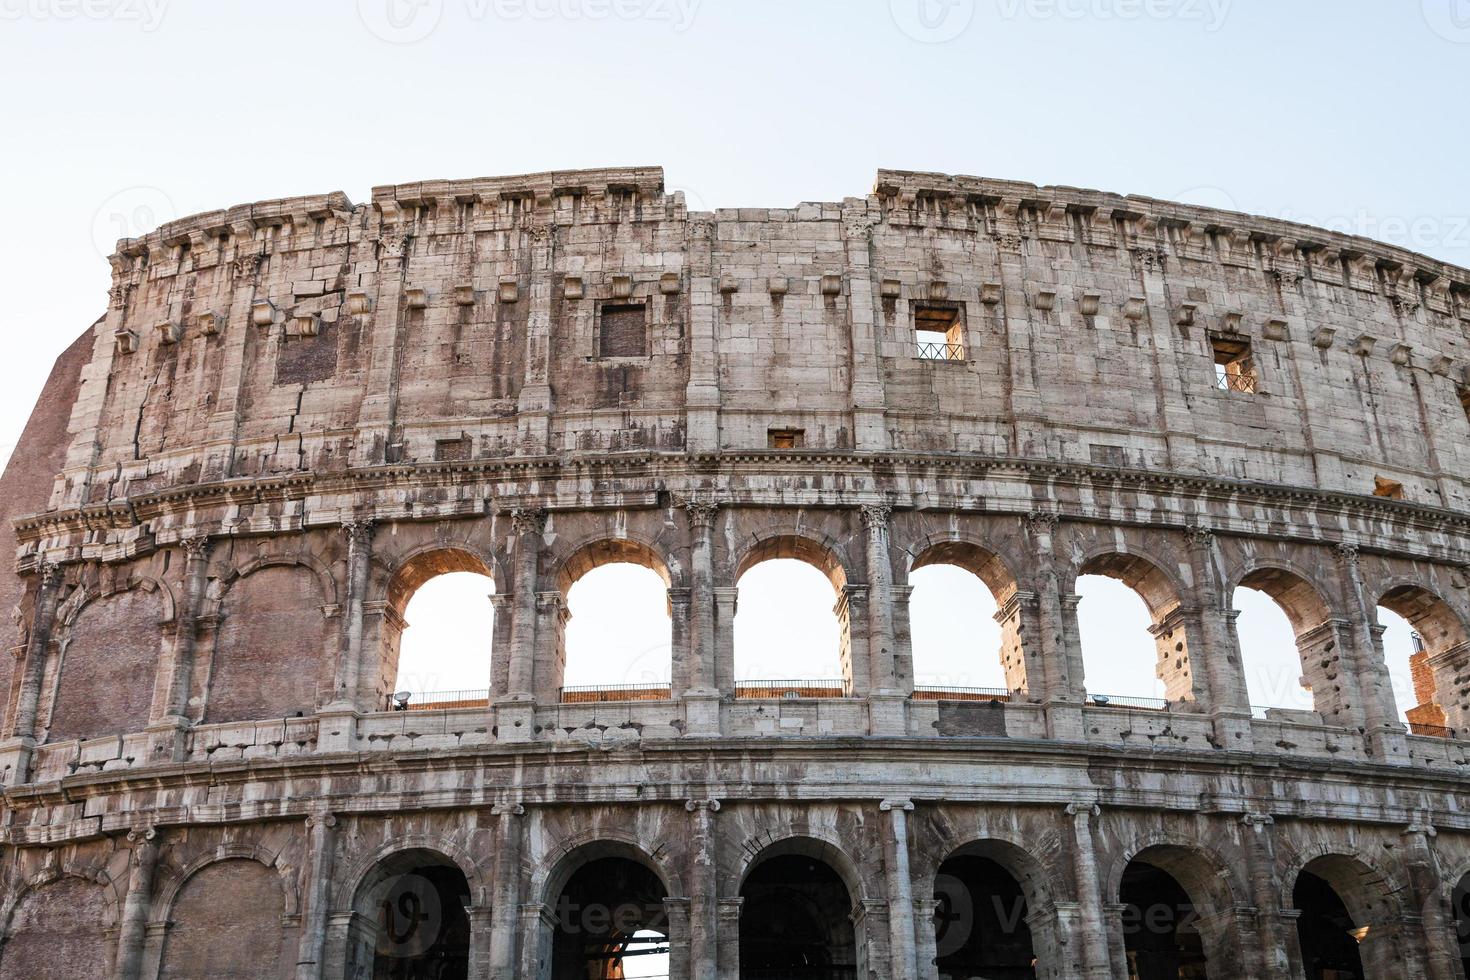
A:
(400, 700)
(1101, 699)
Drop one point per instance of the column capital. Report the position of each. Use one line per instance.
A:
(875, 516)
(359, 532)
(507, 810)
(708, 806)
(326, 820)
(1199, 536)
(1421, 829)
(1347, 555)
(896, 804)
(528, 521)
(196, 545)
(1083, 809)
(1043, 522)
(1257, 821)
(701, 512)
(49, 572)
(143, 835)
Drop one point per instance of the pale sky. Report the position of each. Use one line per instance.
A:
(121, 114)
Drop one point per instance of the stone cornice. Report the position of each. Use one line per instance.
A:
(142, 514)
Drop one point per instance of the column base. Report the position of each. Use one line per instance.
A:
(337, 728)
(888, 714)
(702, 712)
(1064, 721)
(515, 719)
(168, 739)
(15, 760)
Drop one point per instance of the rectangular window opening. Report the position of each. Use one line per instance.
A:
(623, 331)
(785, 438)
(939, 331)
(1235, 369)
(1392, 489)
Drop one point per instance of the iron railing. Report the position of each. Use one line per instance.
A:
(941, 352)
(930, 693)
(1127, 701)
(1430, 731)
(438, 700)
(605, 693)
(792, 689)
(1244, 382)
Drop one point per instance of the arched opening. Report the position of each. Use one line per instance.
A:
(1161, 938)
(438, 632)
(226, 907)
(980, 926)
(59, 929)
(1135, 651)
(1347, 926)
(1297, 668)
(618, 637)
(1461, 910)
(790, 640)
(1427, 649)
(413, 922)
(611, 923)
(1326, 931)
(1268, 652)
(963, 644)
(796, 920)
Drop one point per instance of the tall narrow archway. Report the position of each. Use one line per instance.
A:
(617, 640)
(1135, 648)
(1460, 907)
(1437, 651)
(966, 632)
(793, 622)
(1160, 926)
(438, 633)
(610, 922)
(1348, 925)
(981, 923)
(413, 921)
(1289, 641)
(796, 918)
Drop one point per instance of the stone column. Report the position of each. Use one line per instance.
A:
(549, 671)
(703, 891)
(679, 601)
(504, 607)
(166, 735)
(505, 903)
(900, 889)
(926, 950)
(515, 713)
(870, 433)
(134, 926)
(728, 937)
(1096, 957)
(676, 913)
(1056, 617)
(534, 407)
(852, 613)
(43, 620)
(1223, 671)
(349, 665)
(702, 695)
(321, 832)
(1386, 736)
(1260, 863)
(1020, 646)
(726, 606)
(537, 922)
(887, 699)
(1441, 951)
(702, 395)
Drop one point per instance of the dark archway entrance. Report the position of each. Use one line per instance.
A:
(980, 925)
(609, 916)
(1326, 930)
(416, 902)
(796, 922)
(1462, 922)
(1160, 934)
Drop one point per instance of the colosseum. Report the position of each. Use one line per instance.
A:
(296, 413)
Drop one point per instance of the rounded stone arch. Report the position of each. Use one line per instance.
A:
(85, 595)
(92, 873)
(173, 877)
(790, 540)
(1306, 602)
(811, 843)
(1157, 584)
(1371, 893)
(569, 561)
(1038, 882)
(68, 931)
(221, 587)
(989, 563)
(397, 576)
(1202, 871)
(358, 878)
(552, 874)
(1433, 616)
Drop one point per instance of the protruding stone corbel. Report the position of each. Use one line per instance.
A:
(306, 325)
(415, 298)
(1363, 344)
(1402, 355)
(1090, 304)
(359, 304)
(729, 284)
(832, 285)
(670, 283)
(209, 323)
(622, 287)
(169, 332)
(1323, 337)
(1044, 300)
(1184, 314)
(778, 285)
(1231, 323)
(1276, 330)
(262, 313)
(1135, 307)
(990, 293)
(573, 288)
(890, 289)
(464, 294)
(125, 341)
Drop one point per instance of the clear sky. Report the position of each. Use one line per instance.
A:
(120, 114)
